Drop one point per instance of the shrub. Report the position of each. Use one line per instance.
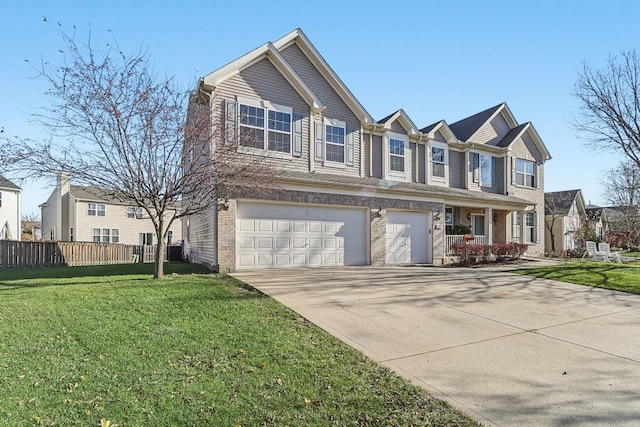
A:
(469, 254)
(459, 229)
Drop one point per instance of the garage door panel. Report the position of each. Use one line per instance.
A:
(273, 235)
(407, 235)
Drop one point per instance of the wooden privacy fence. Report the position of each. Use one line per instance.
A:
(15, 254)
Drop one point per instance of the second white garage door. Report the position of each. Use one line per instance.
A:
(407, 237)
(274, 235)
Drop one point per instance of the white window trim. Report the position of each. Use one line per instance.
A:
(437, 179)
(388, 173)
(266, 106)
(339, 124)
(534, 228)
(516, 172)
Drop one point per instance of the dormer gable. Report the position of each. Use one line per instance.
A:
(399, 118)
(439, 131)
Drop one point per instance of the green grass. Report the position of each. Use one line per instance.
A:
(618, 277)
(83, 345)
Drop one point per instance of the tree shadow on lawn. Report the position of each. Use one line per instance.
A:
(17, 278)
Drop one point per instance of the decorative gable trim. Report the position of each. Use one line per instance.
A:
(404, 120)
(444, 129)
(298, 37)
(214, 79)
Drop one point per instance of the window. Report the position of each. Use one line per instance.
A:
(106, 235)
(437, 162)
(133, 212)
(334, 136)
(115, 235)
(94, 209)
(251, 126)
(516, 226)
(478, 225)
(486, 171)
(279, 131)
(96, 235)
(276, 127)
(396, 155)
(169, 238)
(71, 237)
(483, 169)
(530, 228)
(146, 239)
(524, 173)
(448, 220)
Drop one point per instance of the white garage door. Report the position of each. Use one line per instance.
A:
(273, 235)
(407, 238)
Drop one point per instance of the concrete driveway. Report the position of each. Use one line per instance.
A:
(506, 349)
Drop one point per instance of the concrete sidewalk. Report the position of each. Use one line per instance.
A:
(506, 349)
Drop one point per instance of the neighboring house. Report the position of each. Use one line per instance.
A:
(31, 230)
(10, 215)
(564, 215)
(604, 219)
(89, 214)
(359, 191)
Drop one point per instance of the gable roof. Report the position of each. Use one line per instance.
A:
(298, 37)
(268, 51)
(6, 184)
(512, 135)
(95, 194)
(466, 128)
(441, 126)
(404, 120)
(560, 202)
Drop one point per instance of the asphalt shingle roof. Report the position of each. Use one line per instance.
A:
(510, 136)
(465, 128)
(5, 183)
(559, 202)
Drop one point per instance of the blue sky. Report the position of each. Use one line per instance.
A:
(434, 59)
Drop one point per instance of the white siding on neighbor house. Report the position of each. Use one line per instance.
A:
(492, 132)
(116, 218)
(51, 217)
(10, 215)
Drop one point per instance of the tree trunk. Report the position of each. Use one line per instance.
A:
(158, 272)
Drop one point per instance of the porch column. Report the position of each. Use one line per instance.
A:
(520, 226)
(489, 220)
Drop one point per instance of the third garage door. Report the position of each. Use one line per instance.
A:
(407, 237)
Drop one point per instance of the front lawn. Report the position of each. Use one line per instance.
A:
(618, 277)
(99, 345)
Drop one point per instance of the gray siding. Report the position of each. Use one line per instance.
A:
(377, 156)
(492, 132)
(456, 169)
(336, 108)
(263, 81)
(421, 164)
(439, 137)
(200, 244)
(397, 127)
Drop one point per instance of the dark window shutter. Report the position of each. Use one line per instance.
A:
(297, 135)
(350, 142)
(319, 140)
(231, 119)
(476, 167)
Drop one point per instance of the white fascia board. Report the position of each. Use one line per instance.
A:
(405, 121)
(323, 67)
(445, 130)
(270, 52)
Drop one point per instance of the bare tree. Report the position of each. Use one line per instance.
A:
(610, 105)
(556, 206)
(116, 125)
(622, 192)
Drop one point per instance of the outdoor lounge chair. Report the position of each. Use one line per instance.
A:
(593, 252)
(605, 250)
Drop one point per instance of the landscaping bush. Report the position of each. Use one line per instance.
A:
(459, 230)
(469, 254)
